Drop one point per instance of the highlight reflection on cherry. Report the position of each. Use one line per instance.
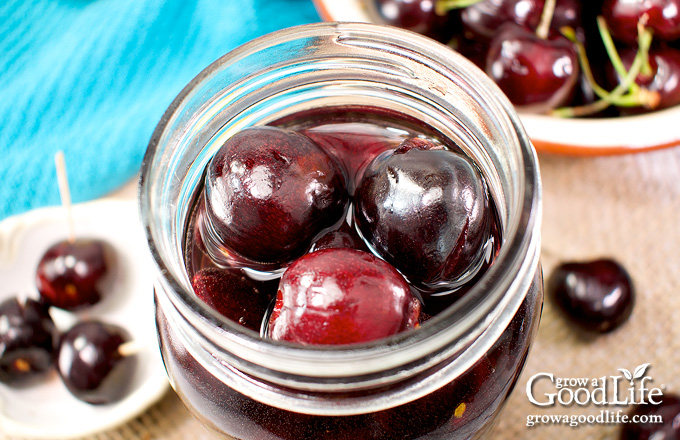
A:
(417, 16)
(482, 20)
(269, 192)
(425, 210)
(536, 73)
(597, 295)
(623, 16)
(71, 274)
(341, 296)
(92, 363)
(28, 337)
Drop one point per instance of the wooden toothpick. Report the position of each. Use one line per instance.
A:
(130, 348)
(65, 193)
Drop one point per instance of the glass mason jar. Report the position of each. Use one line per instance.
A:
(450, 378)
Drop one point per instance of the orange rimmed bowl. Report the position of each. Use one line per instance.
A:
(570, 136)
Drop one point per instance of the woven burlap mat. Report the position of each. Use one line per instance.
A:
(625, 207)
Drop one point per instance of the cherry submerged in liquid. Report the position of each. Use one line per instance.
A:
(354, 137)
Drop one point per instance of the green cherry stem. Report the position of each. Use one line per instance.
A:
(583, 61)
(643, 34)
(637, 95)
(543, 27)
(615, 97)
(642, 55)
(610, 47)
(627, 93)
(442, 7)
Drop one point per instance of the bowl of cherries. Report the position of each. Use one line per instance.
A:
(587, 77)
(78, 354)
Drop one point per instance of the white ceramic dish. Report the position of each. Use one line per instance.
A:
(558, 135)
(48, 410)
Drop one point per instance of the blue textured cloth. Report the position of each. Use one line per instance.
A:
(93, 78)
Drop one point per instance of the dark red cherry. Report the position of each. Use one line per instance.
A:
(482, 20)
(269, 193)
(28, 337)
(536, 74)
(341, 296)
(425, 210)
(597, 295)
(473, 50)
(73, 274)
(353, 144)
(567, 13)
(622, 17)
(663, 79)
(91, 363)
(417, 16)
(343, 237)
(644, 425)
(234, 295)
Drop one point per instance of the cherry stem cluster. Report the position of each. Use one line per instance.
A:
(627, 93)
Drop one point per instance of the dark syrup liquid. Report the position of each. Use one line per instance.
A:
(460, 409)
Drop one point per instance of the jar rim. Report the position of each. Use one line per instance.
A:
(518, 253)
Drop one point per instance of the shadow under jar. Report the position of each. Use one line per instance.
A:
(446, 379)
